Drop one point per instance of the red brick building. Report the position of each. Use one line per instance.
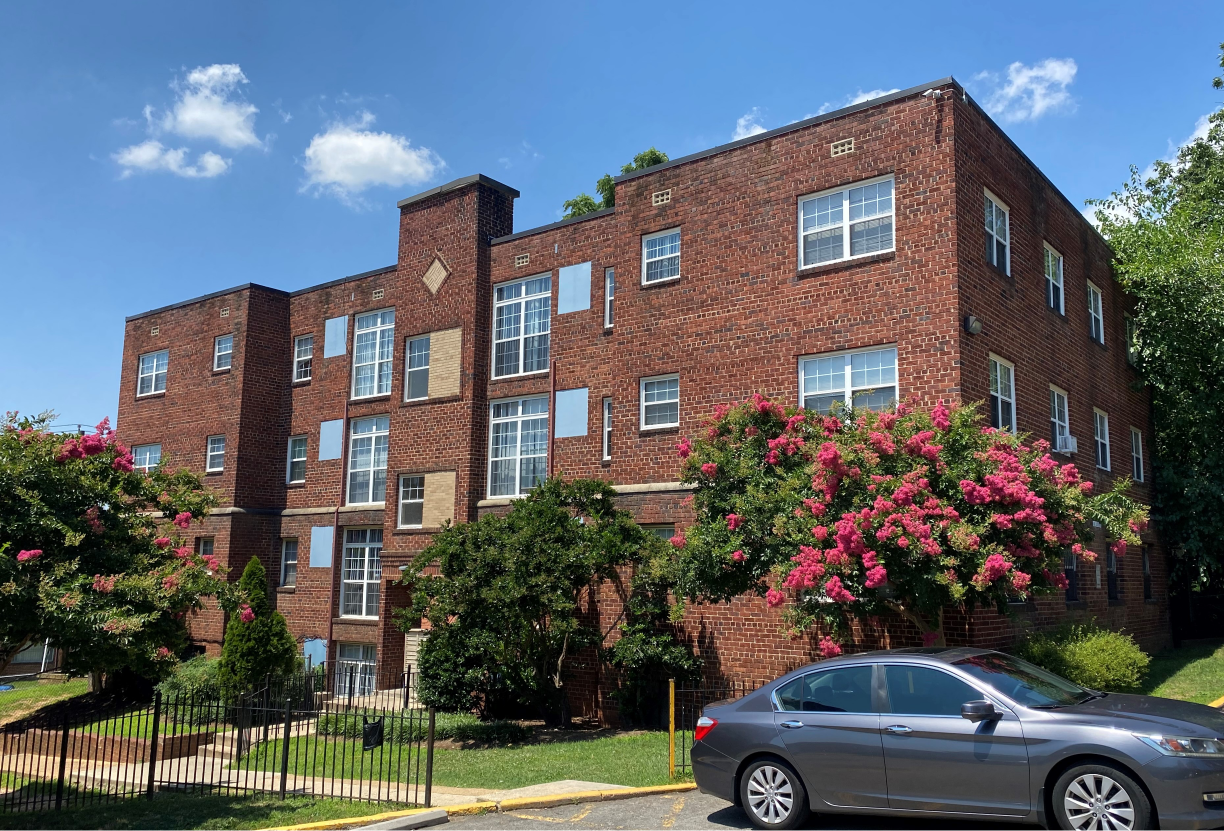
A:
(903, 246)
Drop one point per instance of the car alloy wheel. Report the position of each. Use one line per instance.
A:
(1095, 802)
(770, 794)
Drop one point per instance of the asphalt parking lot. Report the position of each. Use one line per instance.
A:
(679, 811)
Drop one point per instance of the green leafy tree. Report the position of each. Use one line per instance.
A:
(257, 640)
(505, 603)
(584, 203)
(92, 553)
(1167, 233)
(859, 514)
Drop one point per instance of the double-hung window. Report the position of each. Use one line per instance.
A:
(362, 572)
(205, 546)
(865, 378)
(522, 320)
(1100, 423)
(1096, 317)
(367, 480)
(1136, 454)
(355, 663)
(375, 334)
(609, 295)
(660, 402)
(518, 445)
(850, 222)
(1002, 395)
(289, 561)
(223, 352)
(417, 361)
(1060, 429)
(1054, 279)
(296, 471)
(411, 501)
(998, 235)
(303, 357)
(661, 256)
(215, 459)
(607, 429)
(146, 456)
(151, 377)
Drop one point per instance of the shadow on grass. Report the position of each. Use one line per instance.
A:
(1168, 665)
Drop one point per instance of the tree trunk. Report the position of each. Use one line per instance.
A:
(931, 635)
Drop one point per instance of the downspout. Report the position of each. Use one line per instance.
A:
(552, 413)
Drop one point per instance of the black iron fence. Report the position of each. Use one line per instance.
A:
(293, 737)
(686, 706)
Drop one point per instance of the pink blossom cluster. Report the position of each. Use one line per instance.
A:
(170, 583)
(26, 556)
(828, 647)
(106, 585)
(245, 614)
(183, 520)
(684, 448)
(162, 542)
(92, 519)
(733, 521)
(163, 654)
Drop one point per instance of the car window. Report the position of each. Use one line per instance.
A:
(1023, 682)
(923, 691)
(790, 695)
(845, 690)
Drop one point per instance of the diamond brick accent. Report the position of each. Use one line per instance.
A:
(435, 275)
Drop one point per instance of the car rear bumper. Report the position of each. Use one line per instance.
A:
(714, 772)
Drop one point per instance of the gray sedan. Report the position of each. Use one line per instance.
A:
(966, 733)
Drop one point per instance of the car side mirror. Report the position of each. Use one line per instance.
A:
(979, 711)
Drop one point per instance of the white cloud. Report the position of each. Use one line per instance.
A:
(1030, 91)
(208, 107)
(1201, 128)
(152, 157)
(850, 100)
(748, 124)
(347, 159)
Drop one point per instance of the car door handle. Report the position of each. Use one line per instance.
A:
(898, 728)
(791, 725)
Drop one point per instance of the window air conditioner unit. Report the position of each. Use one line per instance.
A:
(1067, 444)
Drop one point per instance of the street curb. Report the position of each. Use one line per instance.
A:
(553, 800)
(326, 825)
(1217, 704)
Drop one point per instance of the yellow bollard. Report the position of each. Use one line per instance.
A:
(671, 727)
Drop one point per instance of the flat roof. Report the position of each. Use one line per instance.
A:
(542, 228)
(475, 178)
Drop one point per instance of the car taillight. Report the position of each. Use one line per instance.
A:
(704, 726)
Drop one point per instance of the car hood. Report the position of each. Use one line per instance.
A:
(1147, 714)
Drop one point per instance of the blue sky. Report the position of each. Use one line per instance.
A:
(154, 152)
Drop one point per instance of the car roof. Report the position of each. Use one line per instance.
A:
(916, 654)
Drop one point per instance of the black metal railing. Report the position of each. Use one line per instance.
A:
(688, 702)
(292, 736)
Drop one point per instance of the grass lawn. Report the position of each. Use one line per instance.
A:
(634, 760)
(28, 696)
(185, 811)
(1194, 672)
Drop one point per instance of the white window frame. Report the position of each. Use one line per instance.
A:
(364, 665)
(648, 238)
(226, 354)
(1096, 316)
(285, 545)
(991, 236)
(152, 372)
(384, 348)
(609, 296)
(1100, 435)
(1137, 454)
(643, 403)
(607, 429)
(379, 437)
(303, 343)
(366, 581)
(409, 368)
(1052, 264)
(210, 453)
(205, 546)
(518, 457)
(996, 364)
(289, 480)
(846, 221)
(1059, 427)
(849, 390)
(147, 466)
(402, 490)
(522, 336)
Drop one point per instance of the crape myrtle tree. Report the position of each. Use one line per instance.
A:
(503, 597)
(858, 513)
(92, 551)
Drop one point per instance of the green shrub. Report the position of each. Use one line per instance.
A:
(197, 677)
(1093, 657)
(461, 727)
(261, 647)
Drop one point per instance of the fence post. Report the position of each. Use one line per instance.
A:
(671, 728)
(157, 701)
(429, 748)
(285, 748)
(59, 784)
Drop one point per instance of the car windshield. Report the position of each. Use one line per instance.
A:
(1023, 682)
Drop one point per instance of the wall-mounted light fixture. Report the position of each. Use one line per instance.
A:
(973, 325)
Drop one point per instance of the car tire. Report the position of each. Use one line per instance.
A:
(1089, 797)
(772, 795)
